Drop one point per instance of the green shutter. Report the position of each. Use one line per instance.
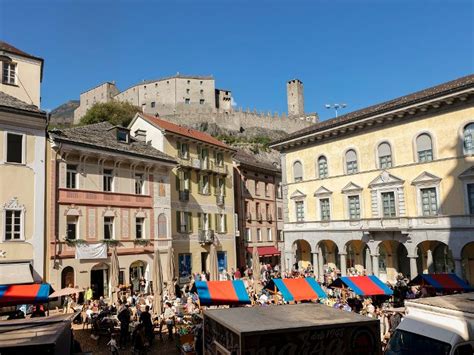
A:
(199, 220)
(178, 146)
(216, 220)
(225, 223)
(178, 222)
(199, 151)
(223, 186)
(177, 180)
(190, 221)
(200, 183)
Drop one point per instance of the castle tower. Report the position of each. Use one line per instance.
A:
(294, 92)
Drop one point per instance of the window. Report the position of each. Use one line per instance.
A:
(220, 186)
(297, 171)
(267, 189)
(322, 167)
(351, 162)
(280, 235)
(152, 104)
(189, 82)
(299, 211)
(201, 102)
(259, 235)
(325, 209)
(204, 220)
(279, 191)
(108, 228)
(279, 213)
(221, 223)
(108, 180)
(204, 184)
(257, 188)
(183, 150)
(220, 159)
(429, 202)
(71, 228)
(388, 204)
(384, 152)
(268, 212)
(13, 227)
(162, 226)
(354, 207)
(470, 196)
(201, 91)
(221, 261)
(468, 139)
(9, 73)
(187, 91)
(139, 182)
(184, 222)
(269, 234)
(139, 222)
(122, 135)
(248, 234)
(203, 155)
(14, 148)
(71, 176)
(424, 148)
(187, 101)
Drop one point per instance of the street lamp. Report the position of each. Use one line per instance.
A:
(336, 107)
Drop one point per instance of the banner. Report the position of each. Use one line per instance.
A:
(91, 251)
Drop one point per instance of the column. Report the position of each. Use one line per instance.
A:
(458, 267)
(375, 264)
(429, 261)
(343, 264)
(320, 265)
(413, 267)
(288, 261)
(315, 262)
(368, 263)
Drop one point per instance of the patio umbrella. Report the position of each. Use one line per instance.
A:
(256, 270)
(65, 292)
(171, 274)
(157, 283)
(114, 274)
(214, 272)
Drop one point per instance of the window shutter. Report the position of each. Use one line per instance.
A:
(223, 186)
(199, 151)
(199, 220)
(200, 183)
(190, 221)
(177, 181)
(216, 219)
(225, 223)
(178, 146)
(178, 221)
(214, 183)
(215, 156)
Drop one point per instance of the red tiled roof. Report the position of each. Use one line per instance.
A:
(4, 46)
(184, 131)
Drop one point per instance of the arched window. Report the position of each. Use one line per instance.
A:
(322, 167)
(384, 151)
(297, 171)
(424, 148)
(468, 139)
(162, 227)
(351, 162)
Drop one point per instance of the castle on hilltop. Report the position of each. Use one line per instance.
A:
(191, 100)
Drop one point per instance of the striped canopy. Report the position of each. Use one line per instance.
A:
(222, 292)
(301, 289)
(11, 295)
(363, 285)
(442, 282)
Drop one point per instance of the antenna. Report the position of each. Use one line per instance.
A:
(335, 107)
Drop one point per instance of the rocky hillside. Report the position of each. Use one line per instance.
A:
(64, 115)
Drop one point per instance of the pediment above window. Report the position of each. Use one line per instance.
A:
(386, 179)
(322, 191)
(351, 188)
(297, 195)
(140, 214)
(13, 204)
(72, 211)
(109, 212)
(467, 174)
(426, 178)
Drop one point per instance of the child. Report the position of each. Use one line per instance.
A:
(113, 345)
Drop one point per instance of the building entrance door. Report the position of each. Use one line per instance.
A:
(100, 280)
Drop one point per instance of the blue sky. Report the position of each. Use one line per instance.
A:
(356, 52)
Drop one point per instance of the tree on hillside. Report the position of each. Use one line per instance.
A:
(116, 112)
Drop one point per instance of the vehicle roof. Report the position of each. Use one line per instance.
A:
(463, 302)
(282, 317)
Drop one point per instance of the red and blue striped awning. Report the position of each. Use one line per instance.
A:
(222, 292)
(363, 285)
(11, 295)
(300, 289)
(442, 282)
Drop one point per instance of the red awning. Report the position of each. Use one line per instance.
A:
(265, 251)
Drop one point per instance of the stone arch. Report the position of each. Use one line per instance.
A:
(392, 260)
(329, 251)
(435, 257)
(99, 276)
(467, 262)
(137, 270)
(302, 252)
(67, 277)
(355, 258)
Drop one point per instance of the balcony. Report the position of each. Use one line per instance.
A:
(184, 195)
(204, 164)
(220, 200)
(100, 198)
(219, 168)
(259, 217)
(189, 162)
(206, 236)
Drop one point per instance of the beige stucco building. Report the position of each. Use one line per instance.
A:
(389, 188)
(202, 196)
(105, 190)
(99, 94)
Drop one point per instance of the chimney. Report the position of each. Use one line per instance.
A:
(140, 135)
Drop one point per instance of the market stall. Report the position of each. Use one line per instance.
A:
(300, 289)
(363, 285)
(11, 295)
(222, 293)
(442, 283)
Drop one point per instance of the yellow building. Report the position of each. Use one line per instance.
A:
(202, 197)
(388, 188)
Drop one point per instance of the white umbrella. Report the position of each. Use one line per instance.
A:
(213, 268)
(157, 283)
(171, 274)
(114, 274)
(65, 292)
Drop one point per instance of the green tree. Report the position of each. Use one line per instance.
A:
(116, 112)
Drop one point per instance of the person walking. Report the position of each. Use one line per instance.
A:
(145, 319)
(124, 316)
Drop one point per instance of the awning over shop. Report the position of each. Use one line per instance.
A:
(11, 295)
(16, 273)
(442, 282)
(222, 292)
(363, 285)
(265, 251)
(301, 289)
